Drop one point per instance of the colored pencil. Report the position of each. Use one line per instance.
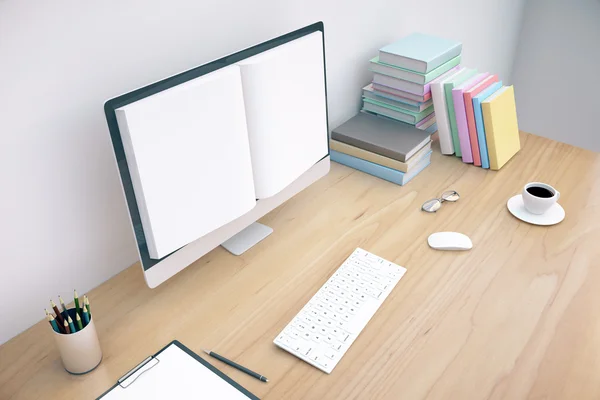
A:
(86, 316)
(78, 322)
(86, 301)
(53, 323)
(64, 307)
(76, 300)
(61, 329)
(59, 316)
(66, 325)
(71, 325)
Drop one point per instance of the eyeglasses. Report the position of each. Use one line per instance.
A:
(433, 205)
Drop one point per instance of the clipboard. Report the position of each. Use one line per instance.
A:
(162, 365)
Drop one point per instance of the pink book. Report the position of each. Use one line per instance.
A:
(400, 93)
(461, 116)
(468, 98)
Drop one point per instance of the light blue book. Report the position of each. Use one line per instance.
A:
(432, 129)
(483, 152)
(389, 174)
(419, 52)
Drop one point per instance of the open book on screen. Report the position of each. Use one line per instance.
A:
(201, 153)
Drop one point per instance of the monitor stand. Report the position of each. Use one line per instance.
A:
(247, 238)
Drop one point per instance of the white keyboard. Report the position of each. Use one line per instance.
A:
(329, 323)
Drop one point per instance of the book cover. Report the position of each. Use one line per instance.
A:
(400, 93)
(399, 102)
(461, 116)
(382, 136)
(501, 126)
(419, 52)
(430, 121)
(396, 72)
(483, 150)
(441, 112)
(448, 86)
(468, 98)
(413, 117)
(357, 152)
(431, 130)
(426, 119)
(380, 171)
(401, 84)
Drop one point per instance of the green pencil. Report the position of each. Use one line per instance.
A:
(71, 325)
(86, 315)
(76, 299)
(78, 322)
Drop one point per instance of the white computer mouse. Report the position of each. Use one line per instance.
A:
(449, 241)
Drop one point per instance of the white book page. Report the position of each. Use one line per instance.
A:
(176, 376)
(284, 93)
(189, 158)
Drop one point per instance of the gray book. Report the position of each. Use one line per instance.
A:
(382, 136)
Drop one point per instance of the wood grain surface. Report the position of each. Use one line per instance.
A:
(517, 317)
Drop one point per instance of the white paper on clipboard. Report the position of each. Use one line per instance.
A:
(176, 375)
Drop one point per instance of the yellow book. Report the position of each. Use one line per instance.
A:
(501, 127)
(378, 159)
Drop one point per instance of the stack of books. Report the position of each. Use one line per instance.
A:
(391, 150)
(403, 73)
(476, 118)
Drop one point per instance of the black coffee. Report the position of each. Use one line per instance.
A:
(538, 191)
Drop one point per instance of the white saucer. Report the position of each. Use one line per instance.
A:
(551, 217)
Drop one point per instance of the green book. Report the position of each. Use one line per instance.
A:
(401, 73)
(411, 116)
(448, 86)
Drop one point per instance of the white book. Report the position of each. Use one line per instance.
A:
(202, 152)
(441, 113)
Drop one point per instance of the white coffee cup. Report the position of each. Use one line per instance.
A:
(539, 204)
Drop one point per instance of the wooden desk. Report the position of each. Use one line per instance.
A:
(516, 317)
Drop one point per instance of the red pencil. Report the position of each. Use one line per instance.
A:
(59, 317)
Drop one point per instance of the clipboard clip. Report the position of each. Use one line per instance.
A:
(126, 380)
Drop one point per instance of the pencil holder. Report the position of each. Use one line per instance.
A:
(80, 351)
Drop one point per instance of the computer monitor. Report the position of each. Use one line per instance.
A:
(204, 154)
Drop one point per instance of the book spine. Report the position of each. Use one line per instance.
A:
(452, 118)
(370, 168)
(367, 146)
(385, 99)
(483, 151)
(441, 113)
(368, 156)
(472, 129)
(401, 84)
(400, 93)
(397, 73)
(461, 125)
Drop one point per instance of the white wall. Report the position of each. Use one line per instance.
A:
(63, 218)
(556, 71)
